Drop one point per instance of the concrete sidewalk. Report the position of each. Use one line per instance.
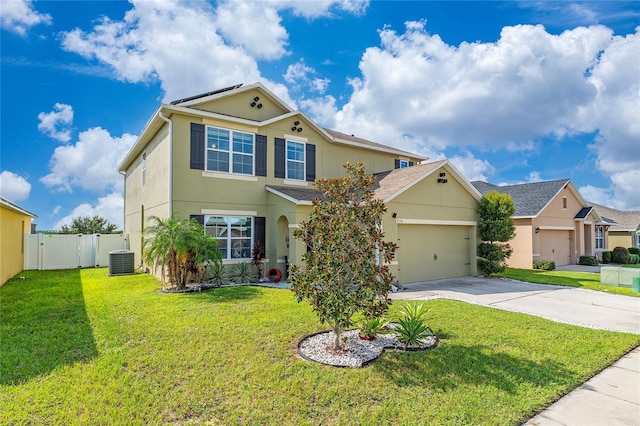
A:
(609, 398)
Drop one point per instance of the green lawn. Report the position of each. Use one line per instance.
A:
(78, 347)
(588, 280)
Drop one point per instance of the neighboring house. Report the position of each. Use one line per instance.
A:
(625, 232)
(553, 222)
(242, 162)
(15, 222)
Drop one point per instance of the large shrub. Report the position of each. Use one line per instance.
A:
(495, 228)
(620, 255)
(545, 265)
(491, 257)
(587, 260)
(634, 259)
(346, 270)
(634, 250)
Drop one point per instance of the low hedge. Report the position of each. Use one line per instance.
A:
(634, 259)
(545, 265)
(587, 260)
(634, 250)
(606, 257)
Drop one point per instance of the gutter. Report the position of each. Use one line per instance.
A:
(170, 181)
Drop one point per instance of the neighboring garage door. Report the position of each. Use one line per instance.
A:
(555, 245)
(431, 252)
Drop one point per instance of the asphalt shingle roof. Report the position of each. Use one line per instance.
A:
(529, 198)
(626, 220)
(387, 183)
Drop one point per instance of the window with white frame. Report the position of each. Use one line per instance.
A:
(599, 237)
(295, 160)
(229, 151)
(404, 164)
(638, 240)
(234, 233)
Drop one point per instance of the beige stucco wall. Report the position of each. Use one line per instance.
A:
(13, 226)
(560, 236)
(620, 239)
(141, 202)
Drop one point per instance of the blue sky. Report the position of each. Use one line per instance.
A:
(510, 92)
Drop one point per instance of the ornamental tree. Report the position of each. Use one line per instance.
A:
(344, 270)
(495, 228)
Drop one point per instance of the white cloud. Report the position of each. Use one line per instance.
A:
(14, 187)
(191, 47)
(472, 168)
(56, 210)
(302, 76)
(253, 25)
(534, 177)
(111, 207)
(506, 95)
(19, 15)
(56, 124)
(90, 164)
(322, 109)
(327, 8)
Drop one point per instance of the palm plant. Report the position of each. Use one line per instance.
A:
(180, 247)
(411, 325)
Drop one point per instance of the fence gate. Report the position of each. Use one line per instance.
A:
(55, 251)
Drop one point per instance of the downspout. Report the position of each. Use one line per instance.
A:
(124, 217)
(170, 182)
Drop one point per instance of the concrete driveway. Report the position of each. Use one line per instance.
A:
(568, 305)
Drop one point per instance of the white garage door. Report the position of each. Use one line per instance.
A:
(555, 245)
(431, 252)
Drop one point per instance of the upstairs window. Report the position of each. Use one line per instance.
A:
(295, 160)
(564, 202)
(404, 164)
(229, 151)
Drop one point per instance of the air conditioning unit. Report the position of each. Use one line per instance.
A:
(121, 262)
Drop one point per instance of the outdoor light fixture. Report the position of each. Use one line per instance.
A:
(394, 215)
(538, 230)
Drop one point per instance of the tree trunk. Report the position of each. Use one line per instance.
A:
(337, 337)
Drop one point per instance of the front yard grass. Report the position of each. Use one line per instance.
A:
(587, 280)
(78, 347)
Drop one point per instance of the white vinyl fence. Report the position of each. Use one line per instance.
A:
(55, 251)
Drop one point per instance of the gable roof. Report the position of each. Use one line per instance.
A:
(530, 198)
(388, 184)
(625, 221)
(15, 208)
(188, 106)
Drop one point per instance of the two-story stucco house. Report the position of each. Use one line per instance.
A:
(553, 222)
(243, 163)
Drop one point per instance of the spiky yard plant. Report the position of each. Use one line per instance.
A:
(411, 324)
(345, 269)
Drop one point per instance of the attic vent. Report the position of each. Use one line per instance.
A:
(120, 262)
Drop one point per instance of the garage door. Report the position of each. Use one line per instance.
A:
(431, 252)
(555, 245)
